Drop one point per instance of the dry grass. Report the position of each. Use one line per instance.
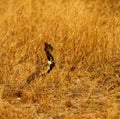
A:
(85, 83)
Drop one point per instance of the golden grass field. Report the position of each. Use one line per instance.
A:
(85, 82)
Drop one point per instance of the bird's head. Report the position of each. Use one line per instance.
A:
(48, 47)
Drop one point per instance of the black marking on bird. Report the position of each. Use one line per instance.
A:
(48, 49)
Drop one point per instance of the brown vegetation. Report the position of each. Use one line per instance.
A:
(85, 83)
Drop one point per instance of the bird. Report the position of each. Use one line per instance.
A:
(51, 63)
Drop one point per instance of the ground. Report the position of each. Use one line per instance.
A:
(85, 82)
